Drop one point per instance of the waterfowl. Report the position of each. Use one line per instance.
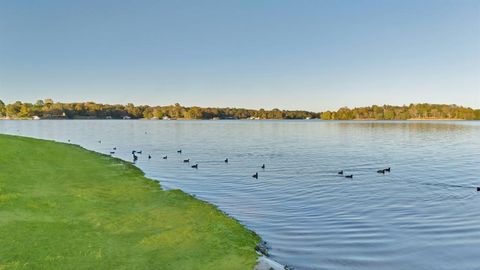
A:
(186, 160)
(134, 158)
(263, 167)
(100, 141)
(165, 157)
(226, 160)
(387, 169)
(114, 148)
(255, 175)
(68, 140)
(112, 152)
(179, 151)
(139, 152)
(478, 188)
(349, 176)
(195, 166)
(149, 157)
(381, 171)
(133, 152)
(340, 172)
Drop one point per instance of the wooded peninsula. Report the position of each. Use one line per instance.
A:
(48, 109)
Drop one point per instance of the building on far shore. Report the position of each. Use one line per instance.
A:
(36, 117)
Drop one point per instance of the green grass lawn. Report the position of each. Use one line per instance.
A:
(63, 207)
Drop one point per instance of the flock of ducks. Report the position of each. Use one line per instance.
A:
(195, 166)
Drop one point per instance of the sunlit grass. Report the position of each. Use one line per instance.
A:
(63, 207)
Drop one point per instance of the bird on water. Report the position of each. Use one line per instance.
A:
(165, 157)
(226, 160)
(186, 160)
(263, 167)
(149, 157)
(255, 175)
(349, 176)
(340, 172)
(179, 151)
(195, 166)
(381, 171)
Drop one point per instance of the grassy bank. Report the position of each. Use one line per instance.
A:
(63, 207)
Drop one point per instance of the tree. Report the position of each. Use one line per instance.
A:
(2, 109)
(148, 113)
(177, 111)
(12, 110)
(326, 115)
(133, 111)
(25, 110)
(40, 103)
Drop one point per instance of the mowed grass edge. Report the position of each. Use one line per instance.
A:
(64, 207)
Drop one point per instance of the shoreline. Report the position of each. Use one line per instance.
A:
(134, 169)
(253, 120)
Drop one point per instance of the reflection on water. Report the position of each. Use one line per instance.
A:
(422, 215)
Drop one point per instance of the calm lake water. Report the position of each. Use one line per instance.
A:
(425, 214)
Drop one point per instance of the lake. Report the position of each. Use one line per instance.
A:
(424, 214)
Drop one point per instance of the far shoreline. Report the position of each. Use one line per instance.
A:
(246, 119)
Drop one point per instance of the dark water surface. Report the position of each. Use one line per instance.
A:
(425, 214)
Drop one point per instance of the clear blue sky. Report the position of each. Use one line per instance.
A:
(312, 55)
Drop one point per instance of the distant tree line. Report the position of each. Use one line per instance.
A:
(90, 110)
(48, 109)
(412, 111)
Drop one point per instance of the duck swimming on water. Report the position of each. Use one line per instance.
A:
(349, 176)
(263, 167)
(381, 171)
(186, 160)
(387, 169)
(195, 166)
(149, 157)
(340, 172)
(226, 160)
(255, 175)
(165, 157)
(179, 151)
